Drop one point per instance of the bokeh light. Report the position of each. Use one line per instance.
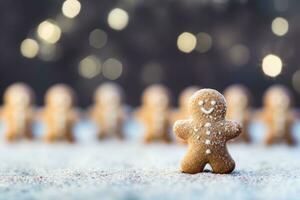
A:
(280, 26)
(296, 81)
(239, 55)
(117, 19)
(271, 65)
(29, 48)
(49, 31)
(204, 42)
(89, 67)
(112, 69)
(186, 42)
(97, 38)
(71, 8)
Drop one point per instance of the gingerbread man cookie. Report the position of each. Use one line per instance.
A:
(155, 113)
(108, 110)
(183, 112)
(59, 115)
(206, 133)
(17, 111)
(277, 115)
(238, 108)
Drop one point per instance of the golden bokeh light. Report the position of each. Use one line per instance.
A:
(71, 8)
(204, 42)
(97, 38)
(49, 31)
(271, 65)
(112, 69)
(280, 26)
(239, 55)
(186, 42)
(89, 67)
(296, 81)
(117, 19)
(29, 48)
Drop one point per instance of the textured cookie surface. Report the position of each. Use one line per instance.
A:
(206, 133)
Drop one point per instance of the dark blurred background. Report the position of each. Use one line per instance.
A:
(211, 43)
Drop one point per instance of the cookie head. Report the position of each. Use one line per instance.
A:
(18, 95)
(60, 96)
(108, 94)
(237, 97)
(186, 94)
(156, 97)
(207, 105)
(277, 98)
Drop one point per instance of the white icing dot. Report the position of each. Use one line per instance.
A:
(220, 133)
(207, 132)
(213, 102)
(207, 125)
(208, 151)
(201, 103)
(207, 141)
(196, 129)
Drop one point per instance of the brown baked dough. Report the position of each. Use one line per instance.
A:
(59, 114)
(108, 110)
(17, 111)
(206, 133)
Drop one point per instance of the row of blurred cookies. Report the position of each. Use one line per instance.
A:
(155, 113)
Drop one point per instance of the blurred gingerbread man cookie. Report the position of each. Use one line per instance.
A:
(17, 111)
(207, 132)
(238, 108)
(108, 110)
(59, 114)
(277, 115)
(182, 112)
(155, 113)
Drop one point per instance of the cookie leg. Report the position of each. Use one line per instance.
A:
(222, 164)
(70, 138)
(10, 135)
(50, 137)
(289, 139)
(192, 163)
(270, 139)
(148, 138)
(28, 134)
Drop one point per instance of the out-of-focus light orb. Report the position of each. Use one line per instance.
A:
(117, 19)
(112, 69)
(296, 81)
(71, 8)
(49, 31)
(204, 42)
(89, 67)
(97, 38)
(152, 73)
(239, 55)
(271, 65)
(186, 42)
(280, 26)
(29, 48)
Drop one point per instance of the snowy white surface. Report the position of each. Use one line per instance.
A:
(127, 170)
(131, 170)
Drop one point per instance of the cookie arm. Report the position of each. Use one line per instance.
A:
(182, 129)
(232, 129)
